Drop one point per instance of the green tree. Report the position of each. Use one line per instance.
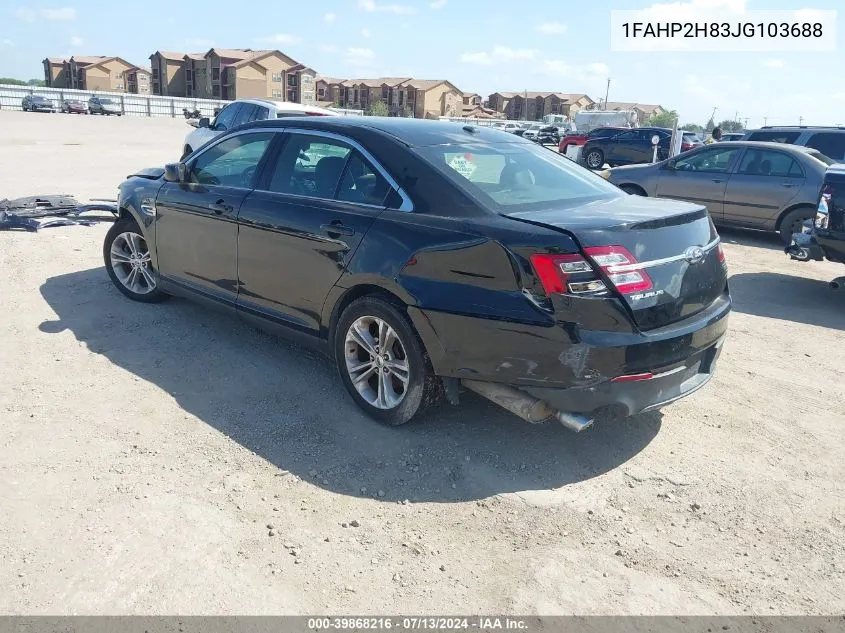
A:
(730, 126)
(664, 119)
(36, 82)
(692, 127)
(710, 125)
(404, 112)
(377, 108)
(11, 81)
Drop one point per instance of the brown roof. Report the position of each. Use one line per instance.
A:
(197, 57)
(144, 69)
(377, 82)
(428, 84)
(630, 105)
(56, 60)
(330, 80)
(236, 53)
(110, 59)
(86, 60)
(574, 97)
(258, 55)
(170, 55)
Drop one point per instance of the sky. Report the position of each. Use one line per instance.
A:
(484, 47)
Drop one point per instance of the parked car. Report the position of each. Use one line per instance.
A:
(548, 135)
(104, 105)
(37, 103)
(824, 236)
(426, 257)
(74, 106)
(531, 130)
(581, 138)
(242, 111)
(830, 141)
(689, 141)
(733, 136)
(626, 148)
(766, 186)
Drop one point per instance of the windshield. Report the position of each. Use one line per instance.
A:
(39, 98)
(106, 101)
(516, 174)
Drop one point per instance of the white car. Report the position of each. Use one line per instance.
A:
(532, 130)
(243, 111)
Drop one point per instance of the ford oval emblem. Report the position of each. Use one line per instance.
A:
(694, 254)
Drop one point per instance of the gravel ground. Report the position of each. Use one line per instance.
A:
(165, 459)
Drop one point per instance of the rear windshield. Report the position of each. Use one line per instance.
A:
(827, 160)
(516, 175)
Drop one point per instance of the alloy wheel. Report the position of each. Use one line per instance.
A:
(377, 362)
(131, 262)
(594, 160)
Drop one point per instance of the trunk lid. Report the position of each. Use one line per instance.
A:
(672, 245)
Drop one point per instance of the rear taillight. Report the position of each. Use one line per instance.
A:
(721, 253)
(621, 268)
(685, 147)
(562, 274)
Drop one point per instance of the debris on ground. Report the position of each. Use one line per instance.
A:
(37, 212)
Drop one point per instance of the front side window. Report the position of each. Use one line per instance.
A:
(244, 114)
(774, 137)
(520, 175)
(710, 160)
(232, 162)
(769, 163)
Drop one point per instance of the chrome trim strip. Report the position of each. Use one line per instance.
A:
(668, 373)
(658, 262)
(406, 205)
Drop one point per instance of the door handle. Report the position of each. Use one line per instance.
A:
(787, 185)
(337, 228)
(220, 207)
(717, 180)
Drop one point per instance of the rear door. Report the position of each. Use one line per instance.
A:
(764, 184)
(700, 176)
(621, 148)
(301, 226)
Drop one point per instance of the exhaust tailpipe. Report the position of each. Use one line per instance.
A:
(526, 406)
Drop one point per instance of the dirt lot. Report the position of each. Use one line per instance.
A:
(147, 450)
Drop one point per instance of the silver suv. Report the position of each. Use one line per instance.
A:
(243, 111)
(830, 141)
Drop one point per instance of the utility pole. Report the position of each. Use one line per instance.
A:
(713, 115)
(800, 120)
(765, 120)
(745, 127)
(607, 93)
(525, 107)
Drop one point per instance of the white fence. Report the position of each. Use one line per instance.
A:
(130, 104)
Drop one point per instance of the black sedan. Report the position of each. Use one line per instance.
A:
(427, 258)
(627, 147)
(37, 103)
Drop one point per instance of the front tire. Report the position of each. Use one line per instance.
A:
(594, 159)
(129, 264)
(382, 361)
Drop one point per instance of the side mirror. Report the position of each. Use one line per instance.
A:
(175, 172)
(669, 164)
(203, 122)
(193, 122)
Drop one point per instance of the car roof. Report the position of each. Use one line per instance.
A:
(411, 132)
(288, 106)
(800, 127)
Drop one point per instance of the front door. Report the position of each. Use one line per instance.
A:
(764, 183)
(196, 221)
(301, 226)
(700, 177)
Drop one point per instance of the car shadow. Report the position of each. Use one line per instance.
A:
(789, 298)
(287, 405)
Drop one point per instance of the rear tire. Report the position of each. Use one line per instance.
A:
(382, 361)
(793, 222)
(594, 159)
(128, 262)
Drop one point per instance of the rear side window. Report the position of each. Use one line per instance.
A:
(225, 120)
(515, 175)
(244, 114)
(830, 144)
(261, 113)
(774, 137)
(768, 163)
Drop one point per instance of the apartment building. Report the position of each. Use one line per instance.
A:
(94, 72)
(139, 80)
(402, 96)
(533, 106)
(643, 110)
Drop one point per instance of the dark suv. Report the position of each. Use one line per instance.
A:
(830, 141)
(628, 147)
